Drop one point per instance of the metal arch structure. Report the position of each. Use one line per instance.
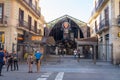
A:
(77, 21)
(79, 27)
(80, 24)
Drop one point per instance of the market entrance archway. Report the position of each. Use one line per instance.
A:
(57, 32)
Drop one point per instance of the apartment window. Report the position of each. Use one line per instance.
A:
(29, 22)
(101, 39)
(106, 12)
(1, 12)
(30, 2)
(21, 16)
(35, 26)
(96, 28)
(107, 37)
(40, 32)
(36, 4)
(119, 7)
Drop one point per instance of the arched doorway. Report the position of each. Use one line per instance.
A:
(58, 35)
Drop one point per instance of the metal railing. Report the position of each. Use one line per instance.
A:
(34, 28)
(103, 23)
(23, 24)
(118, 19)
(27, 26)
(38, 31)
(3, 20)
(98, 6)
(34, 8)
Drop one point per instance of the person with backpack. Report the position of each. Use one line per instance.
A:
(38, 56)
(1, 60)
(15, 60)
(30, 60)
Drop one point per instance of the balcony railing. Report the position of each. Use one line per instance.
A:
(25, 26)
(34, 8)
(33, 28)
(38, 32)
(103, 25)
(98, 6)
(118, 20)
(3, 20)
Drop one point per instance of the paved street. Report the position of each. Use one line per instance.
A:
(66, 68)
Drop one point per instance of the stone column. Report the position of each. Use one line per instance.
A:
(113, 31)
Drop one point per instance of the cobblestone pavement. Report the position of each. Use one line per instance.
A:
(66, 68)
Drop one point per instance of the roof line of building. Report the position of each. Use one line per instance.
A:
(68, 17)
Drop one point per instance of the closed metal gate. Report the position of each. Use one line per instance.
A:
(105, 52)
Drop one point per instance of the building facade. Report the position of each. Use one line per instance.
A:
(19, 21)
(104, 23)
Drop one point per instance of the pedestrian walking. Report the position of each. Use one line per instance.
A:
(59, 51)
(64, 51)
(1, 60)
(56, 50)
(10, 61)
(5, 55)
(15, 60)
(30, 60)
(75, 53)
(78, 54)
(38, 57)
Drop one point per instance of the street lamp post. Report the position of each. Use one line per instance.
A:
(45, 46)
(78, 34)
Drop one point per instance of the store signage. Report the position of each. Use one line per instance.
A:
(118, 34)
(36, 38)
(2, 38)
(20, 38)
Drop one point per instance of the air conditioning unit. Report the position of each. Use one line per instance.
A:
(118, 20)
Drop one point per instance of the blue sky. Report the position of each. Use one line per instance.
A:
(80, 9)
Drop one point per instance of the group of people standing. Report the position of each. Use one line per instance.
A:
(30, 60)
(9, 59)
(61, 51)
(12, 59)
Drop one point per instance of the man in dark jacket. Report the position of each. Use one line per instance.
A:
(15, 60)
(10, 61)
(1, 60)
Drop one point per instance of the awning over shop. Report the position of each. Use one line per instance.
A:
(48, 41)
(87, 41)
